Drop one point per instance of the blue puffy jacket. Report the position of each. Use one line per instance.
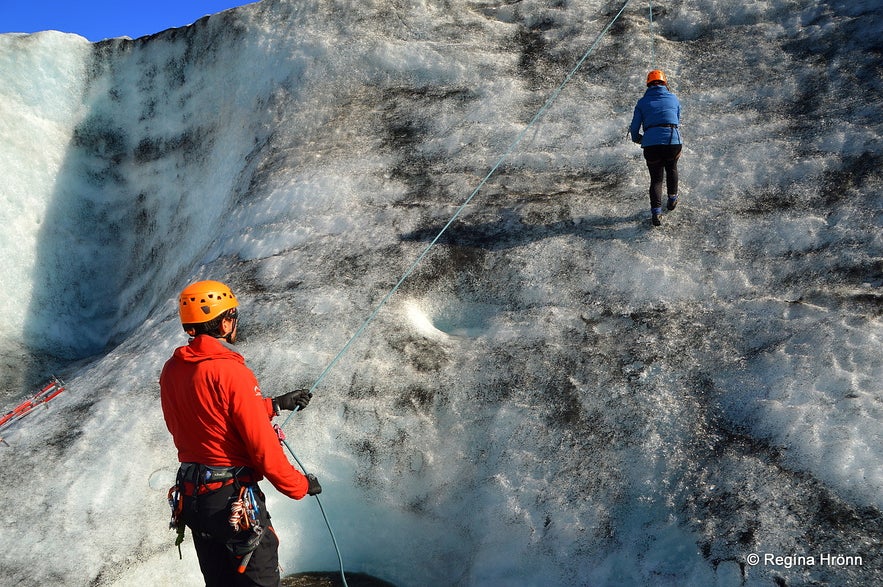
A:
(656, 108)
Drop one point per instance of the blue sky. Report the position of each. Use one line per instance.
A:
(102, 19)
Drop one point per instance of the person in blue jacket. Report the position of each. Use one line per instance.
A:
(659, 113)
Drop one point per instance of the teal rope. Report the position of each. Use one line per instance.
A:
(459, 210)
(429, 247)
(324, 516)
(652, 47)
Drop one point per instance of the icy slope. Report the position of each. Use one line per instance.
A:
(559, 394)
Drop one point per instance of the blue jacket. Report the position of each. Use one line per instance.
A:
(658, 106)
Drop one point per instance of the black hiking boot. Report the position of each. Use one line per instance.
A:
(672, 202)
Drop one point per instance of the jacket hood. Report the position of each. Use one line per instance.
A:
(204, 348)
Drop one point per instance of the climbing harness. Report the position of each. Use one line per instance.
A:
(435, 240)
(194, 479)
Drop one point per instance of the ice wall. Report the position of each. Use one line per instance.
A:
(559, 394)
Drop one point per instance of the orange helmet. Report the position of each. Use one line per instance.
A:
(204, 301)
(656, 75)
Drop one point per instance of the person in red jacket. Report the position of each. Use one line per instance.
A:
(221, 425)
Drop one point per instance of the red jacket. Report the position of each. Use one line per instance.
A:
(214, 409)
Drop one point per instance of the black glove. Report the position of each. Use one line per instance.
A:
(640, 138)
(292, 400)
(315, 488)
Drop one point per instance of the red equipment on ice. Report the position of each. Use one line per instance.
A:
(47, 393)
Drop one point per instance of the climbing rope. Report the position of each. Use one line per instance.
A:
(324, 516)
(435, 240)
(281, 435)
(652, 48)
(459, 210)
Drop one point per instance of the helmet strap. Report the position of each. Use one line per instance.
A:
(214, 327)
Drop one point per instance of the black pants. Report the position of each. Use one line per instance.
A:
(207, 516)
(662, 161)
